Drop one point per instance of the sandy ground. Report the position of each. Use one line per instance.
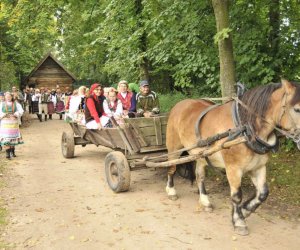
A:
(57, 203)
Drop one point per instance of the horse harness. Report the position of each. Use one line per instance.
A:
(253, 142)
(231, 133)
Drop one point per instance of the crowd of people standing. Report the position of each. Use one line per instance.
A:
(92, 107)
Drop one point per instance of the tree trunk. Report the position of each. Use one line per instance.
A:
(144, 64)
(227, 71)
(274, 38)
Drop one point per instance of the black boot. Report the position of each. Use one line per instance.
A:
(8, 154)
(0, 148)
(50, 117)
(45, 117)
(40, 117)
(12, 152)
(60, 117)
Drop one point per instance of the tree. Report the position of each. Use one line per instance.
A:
(223, 37)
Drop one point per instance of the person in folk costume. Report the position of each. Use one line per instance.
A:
(35, 103)
(18, 96)
(147, 103)
(127, 98)
(1, 100)
(43, 103)
(51, 102)
(112, 107)
(76, 106)
(67, 95)
(94, 107)
(29, 100)
(10, 136)
(60, 106)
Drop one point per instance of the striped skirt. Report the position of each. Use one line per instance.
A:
(9, 132)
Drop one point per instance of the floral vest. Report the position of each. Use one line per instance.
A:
(126, 102)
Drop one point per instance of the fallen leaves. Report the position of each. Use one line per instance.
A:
(40, 210)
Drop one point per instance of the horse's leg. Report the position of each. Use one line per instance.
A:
(200, 177)
(258, 178)
(234, 177)
(170, 189)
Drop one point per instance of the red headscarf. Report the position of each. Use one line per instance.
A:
(94, 86)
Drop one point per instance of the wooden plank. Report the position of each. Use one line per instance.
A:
(122, 135)
(151, 140)
(158, 134)
(80, 141)
(131, 138)
(146, 122)
(110, 137)
(139, 135)
(153, 149)
(150, 131)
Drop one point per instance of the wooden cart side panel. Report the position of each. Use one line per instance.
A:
(77, 129)
(150, 132)
(132, 138)
(108, 137)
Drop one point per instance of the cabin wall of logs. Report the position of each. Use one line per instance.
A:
(50, 73)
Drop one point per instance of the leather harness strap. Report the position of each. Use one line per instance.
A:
(256, 144)
(197, 124)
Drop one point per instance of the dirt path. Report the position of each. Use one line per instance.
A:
(56, 203)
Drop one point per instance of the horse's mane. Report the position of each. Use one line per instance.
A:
(257, 100)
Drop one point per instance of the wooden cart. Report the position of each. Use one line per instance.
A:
(138, 143)
(134, 140)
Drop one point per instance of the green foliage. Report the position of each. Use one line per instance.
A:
(288, 145)
(111, 40)
(221, 35)
(7, 75)
(168, 101)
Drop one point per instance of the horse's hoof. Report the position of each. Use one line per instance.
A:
(241, 231)
(173, 197)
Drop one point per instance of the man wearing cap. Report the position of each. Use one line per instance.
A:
(147, 103)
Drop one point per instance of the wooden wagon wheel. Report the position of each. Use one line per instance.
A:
(68, 144)
(117, 172)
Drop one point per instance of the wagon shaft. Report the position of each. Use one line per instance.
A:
(203, 153)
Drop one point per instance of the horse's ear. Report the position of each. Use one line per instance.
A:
(288, 87)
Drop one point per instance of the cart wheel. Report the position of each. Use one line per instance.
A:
(186, 170)
(67, 144)
(117, 172)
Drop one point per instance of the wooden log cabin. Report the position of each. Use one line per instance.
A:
(49, 73)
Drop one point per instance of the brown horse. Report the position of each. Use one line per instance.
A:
(262, 108)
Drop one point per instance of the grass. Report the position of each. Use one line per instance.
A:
(284, 176)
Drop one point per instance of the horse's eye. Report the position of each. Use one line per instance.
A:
(297, 110)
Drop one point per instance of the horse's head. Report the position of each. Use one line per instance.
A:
(288, 117)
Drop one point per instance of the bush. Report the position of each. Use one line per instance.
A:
(168, 101)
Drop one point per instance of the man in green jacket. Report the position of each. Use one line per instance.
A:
(147, 103)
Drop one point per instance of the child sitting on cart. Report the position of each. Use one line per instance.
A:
(112, 107)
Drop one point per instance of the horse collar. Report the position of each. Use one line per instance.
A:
(253, 142)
